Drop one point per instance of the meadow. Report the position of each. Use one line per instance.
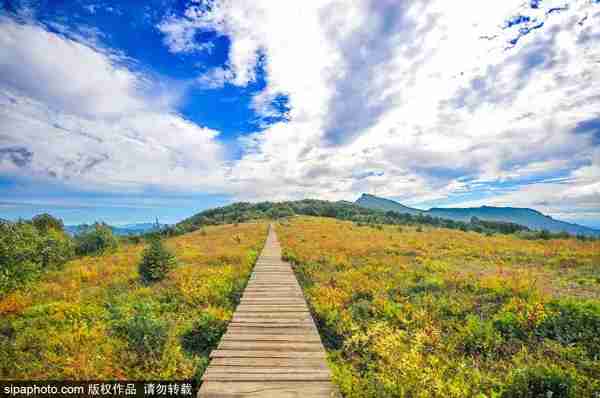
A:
(420, 311)
(94, 318)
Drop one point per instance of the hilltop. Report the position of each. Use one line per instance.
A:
(529, 218)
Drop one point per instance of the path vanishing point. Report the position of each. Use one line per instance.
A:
(271, 347)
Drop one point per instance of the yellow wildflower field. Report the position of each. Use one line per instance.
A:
(95, 319)
(410, 311)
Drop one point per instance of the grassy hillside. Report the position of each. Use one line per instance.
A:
(95, 319)
(432, 312)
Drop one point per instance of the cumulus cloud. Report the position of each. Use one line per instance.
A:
(440, 100)
(419, 100)
(71, 112)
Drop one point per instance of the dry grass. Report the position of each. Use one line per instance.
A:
(445, 313)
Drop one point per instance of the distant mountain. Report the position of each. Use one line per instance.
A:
(530, 218)
(375, 202)
(122, 230)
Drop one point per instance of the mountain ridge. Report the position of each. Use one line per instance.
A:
(528, 217)
(119, 230)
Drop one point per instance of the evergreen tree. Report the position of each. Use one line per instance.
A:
(156, 262)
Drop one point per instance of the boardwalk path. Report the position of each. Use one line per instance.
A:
(272, 347)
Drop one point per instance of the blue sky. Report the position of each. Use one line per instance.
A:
(127, 111)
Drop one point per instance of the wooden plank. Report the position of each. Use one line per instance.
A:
(266, 293)
(291, 314)
(270, 302)
(271, 347)
(233, 336)
(288, 324)
(271, 308)
(282, 300)
(272, 283)
(287, 346)
(266, 377)
(297, 293)
(253, 316)
(282, 389)
(270, 329)
(275, 300)
(297, 315)
(267, 369)
(270, 362)
(273, 289)
(266, 354)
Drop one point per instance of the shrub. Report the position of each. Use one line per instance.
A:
(427, 284)
(573, 322)
(144, 333)
(508, 324)
(45, 222)
(56, 249)
(19, 243)
(156, 262)
(204, 334)
(540, 382)
(478, 337)
(544, 234)
(25, 251)
(96, 240)
(362, 310)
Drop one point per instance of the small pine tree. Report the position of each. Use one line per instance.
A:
(156, 262)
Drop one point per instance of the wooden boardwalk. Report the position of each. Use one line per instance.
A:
(271, 347)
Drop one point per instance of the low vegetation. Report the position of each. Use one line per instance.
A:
(94, 317)
(156, 262)
(241, 212)
(96, 240)
(30, 248)
(423, 311)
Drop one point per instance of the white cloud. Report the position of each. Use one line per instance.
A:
(434, 94)
(71, 112)
(216, 78)
(180, 36)
(64, 73)
(420, 100)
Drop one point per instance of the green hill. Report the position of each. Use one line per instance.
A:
(375, 202)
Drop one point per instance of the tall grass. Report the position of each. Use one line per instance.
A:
(446, 313)
(95, 318)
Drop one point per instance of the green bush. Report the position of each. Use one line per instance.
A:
(479, 337)
(204, 335)
(362, 310)
(45, 222)
(156, 262)
(426, 284)
(145, 334)
(573, 322)
(56, 249)
(96, 240)
(25, 251)
(541, 382)
(508, 324)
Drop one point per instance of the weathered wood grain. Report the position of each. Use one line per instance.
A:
(271, 347)
(221, 389)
